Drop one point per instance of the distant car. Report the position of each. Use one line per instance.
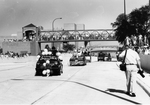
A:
(107, 57)
(48, 65)
(88, 57)
(101, 56)
(77, 60)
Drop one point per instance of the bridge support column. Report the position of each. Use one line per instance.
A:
(86, 43)
(64, 43)
(35, 48)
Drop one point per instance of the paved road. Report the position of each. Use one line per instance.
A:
(95, 83)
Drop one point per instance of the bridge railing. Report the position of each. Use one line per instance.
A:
(62, 35)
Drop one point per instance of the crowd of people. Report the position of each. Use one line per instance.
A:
(11, 54)
(50, 51)
(47, 37)
(81, 51)
(138, 43)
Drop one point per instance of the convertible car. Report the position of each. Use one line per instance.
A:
(48, 65)
(77, 60)
(88, 57)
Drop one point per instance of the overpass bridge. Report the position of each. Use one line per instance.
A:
(76, 36)
(59, 38)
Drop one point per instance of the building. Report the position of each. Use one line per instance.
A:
(26, 41)
(80, 26)
(69, 26)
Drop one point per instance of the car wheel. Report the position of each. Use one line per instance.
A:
(70, 64)
(59, 71)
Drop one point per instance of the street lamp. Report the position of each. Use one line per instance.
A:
(53, 23)
(53, 26)
(124, 9)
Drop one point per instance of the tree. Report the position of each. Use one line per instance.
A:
(138, 18)
(134, 23)
(122, 28)
(68, 47)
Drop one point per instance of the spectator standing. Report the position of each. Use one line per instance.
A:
(140, 42)
(147, 51)
(127, 41)
(145, 40)
(54, 51)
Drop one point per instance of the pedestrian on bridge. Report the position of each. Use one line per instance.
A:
(133, 65)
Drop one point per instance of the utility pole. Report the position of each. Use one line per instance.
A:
(53, 26)
(125, 9)
(148, 30)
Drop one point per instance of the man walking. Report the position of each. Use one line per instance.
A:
(133, 64)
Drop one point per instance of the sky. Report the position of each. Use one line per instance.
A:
(95, 14)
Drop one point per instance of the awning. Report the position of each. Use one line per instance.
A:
(105, 49)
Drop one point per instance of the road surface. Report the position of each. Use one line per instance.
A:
(96, 83)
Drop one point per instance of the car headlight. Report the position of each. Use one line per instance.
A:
(44, 64)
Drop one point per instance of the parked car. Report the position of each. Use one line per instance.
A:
(48, 65)
(77, 60)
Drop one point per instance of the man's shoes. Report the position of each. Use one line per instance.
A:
(128, 93)
(131, 94)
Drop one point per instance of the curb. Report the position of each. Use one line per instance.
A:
(143, 85)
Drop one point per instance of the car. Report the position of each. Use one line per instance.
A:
(101, 56)
(88, 58)
(78, 60)
(107, 57)
(48, 65)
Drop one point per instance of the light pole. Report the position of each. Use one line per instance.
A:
(124, 9)
(53, 23)
(149, 24)
(53, 26)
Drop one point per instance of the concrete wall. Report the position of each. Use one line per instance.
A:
(18, 47)
(34, 48)
(145, 62)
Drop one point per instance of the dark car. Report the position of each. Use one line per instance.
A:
(101, 56)
(48, 65)
(104, 56)
(77, 60)
(107, 57)
(87, 56)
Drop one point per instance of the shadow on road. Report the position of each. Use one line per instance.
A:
(103, 91)
(111, 90)
(116, 91)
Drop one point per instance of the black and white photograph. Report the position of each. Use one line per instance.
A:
(74, 52)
